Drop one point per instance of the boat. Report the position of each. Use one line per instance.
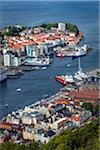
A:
(37, 64)
(61, 55)
(41, 62)
(79, 54)
(74, 52)
(6, 105)
(82, 51)
(43, 68)
(80, 75)
(65, 80)
(18, 90)
(68, 65)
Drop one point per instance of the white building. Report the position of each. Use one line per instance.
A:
(7, 59)
(72, 34)
(32, 118)
(38, 134)
(28, 135)
(11, 59)
(44, 136)
(5, 50)
(16, 61)
(59, 123)
(61, 26)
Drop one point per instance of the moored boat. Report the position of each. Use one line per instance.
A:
(65, 80)
(60, 55)
(73, 52)
(43, 68)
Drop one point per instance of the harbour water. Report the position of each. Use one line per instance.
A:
(36, 84)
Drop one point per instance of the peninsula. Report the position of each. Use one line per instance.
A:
(29, 48)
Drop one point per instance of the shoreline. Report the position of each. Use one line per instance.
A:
(33, 120)
(92, 73)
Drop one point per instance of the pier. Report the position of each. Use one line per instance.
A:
(94, 73)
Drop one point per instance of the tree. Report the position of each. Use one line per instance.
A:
(43, 25)
(88, 106)
(50, 25)
(72, 28)
(96, 112)
(14, 31)
(84, 138)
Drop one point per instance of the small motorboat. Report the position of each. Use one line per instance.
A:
(6, 105)
(43, 68)
(18, 90)
(68, 65)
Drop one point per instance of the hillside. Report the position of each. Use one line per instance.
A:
(85, 138)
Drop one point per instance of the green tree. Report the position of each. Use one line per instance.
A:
(96, 112)
(72, 28)
(88, 106)
(43, 25)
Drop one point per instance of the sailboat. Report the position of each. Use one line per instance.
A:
(80, 75)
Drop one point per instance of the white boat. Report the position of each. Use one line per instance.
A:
(81, 51)
(65, 80)
(68, 65)
(18, 89)
(79, 75)
(6, 105)
(43, 68)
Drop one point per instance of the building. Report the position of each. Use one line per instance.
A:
(32, 118)
(85, 95)
(28, 134)
(7, 58)
(31, 50)
(61, 26)
(38, 134)
(16, 60)
(44, 136)
(76, 119)
(58, 124)
(11, 59)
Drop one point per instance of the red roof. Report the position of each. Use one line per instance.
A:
(76, 118)
(85, 94)
(61, 101)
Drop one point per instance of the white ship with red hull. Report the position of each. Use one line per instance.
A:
(65, 80)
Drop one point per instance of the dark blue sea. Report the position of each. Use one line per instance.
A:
(36, 84)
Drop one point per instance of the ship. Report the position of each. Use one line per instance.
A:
(74, 52)
(40, 63)
(82, 51)
(65, 80)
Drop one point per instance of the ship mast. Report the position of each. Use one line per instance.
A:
(79, 64)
